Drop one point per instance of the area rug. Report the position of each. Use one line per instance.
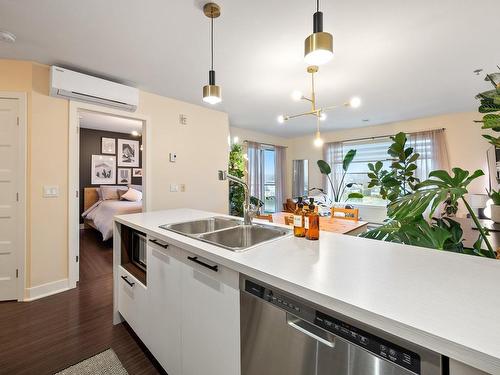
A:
(105, 363)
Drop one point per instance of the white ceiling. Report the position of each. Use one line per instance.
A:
(99, 121)
(405, 59)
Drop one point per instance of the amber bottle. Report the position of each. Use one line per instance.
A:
(298, 220)
(311, 222)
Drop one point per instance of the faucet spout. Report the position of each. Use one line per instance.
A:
(247, 212)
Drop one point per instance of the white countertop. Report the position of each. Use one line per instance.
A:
(447, 302)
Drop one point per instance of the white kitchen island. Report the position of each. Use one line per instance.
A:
(448, 303)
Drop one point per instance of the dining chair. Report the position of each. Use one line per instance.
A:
(265, 217)
(348, 213)
(288, 220)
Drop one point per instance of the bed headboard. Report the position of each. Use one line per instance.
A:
(90, 196)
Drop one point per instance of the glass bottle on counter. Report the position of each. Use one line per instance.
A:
(298, 219)
(311, 222)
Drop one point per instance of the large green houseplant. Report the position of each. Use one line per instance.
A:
(406, 208)
(490, 107)
(236, 168)
(400, 179)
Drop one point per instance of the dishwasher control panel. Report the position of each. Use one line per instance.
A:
(372, 343)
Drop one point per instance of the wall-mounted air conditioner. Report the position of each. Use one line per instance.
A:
(65, 83)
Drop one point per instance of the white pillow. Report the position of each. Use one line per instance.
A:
(132, 195)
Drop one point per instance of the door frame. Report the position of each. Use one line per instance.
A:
(22, 188)
(74, 175)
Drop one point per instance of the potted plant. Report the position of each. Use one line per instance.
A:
(495, 207)
(338, 191)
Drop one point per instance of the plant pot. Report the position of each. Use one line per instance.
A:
(495, 213)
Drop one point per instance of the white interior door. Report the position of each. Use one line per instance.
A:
(9, 188)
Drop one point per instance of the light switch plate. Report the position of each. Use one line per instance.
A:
(174, 188)
(50, 191)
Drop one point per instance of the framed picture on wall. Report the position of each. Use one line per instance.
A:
(124, 177)
(103, 170)
(108, 146)
(128, 153)
(137, 172)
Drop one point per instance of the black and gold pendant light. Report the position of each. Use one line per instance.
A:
(211, 92)
(318, 47)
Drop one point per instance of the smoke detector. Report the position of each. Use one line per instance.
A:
(7, 37)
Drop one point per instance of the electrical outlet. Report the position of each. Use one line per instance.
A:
(183, 188)
(172, 157)
(182, 119)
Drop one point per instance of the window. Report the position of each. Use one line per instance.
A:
(367, 151)
(269, 195)
(267, 174)
(429, 144)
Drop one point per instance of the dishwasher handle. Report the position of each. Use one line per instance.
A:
(310, 330)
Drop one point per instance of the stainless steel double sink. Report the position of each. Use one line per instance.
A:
(229, 233)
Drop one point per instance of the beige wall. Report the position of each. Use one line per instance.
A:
(466, 147)
(201, 147)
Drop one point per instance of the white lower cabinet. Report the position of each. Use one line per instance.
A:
(132, 301)
(164, 308)
(193, 313)
(210, 319)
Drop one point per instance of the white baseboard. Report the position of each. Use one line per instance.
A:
(46, 290)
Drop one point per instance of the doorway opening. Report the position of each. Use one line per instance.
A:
(108, 161)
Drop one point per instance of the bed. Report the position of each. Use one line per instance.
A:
(99, 213)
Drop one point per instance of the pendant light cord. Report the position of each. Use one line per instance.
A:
(212, 39)
(317, 5)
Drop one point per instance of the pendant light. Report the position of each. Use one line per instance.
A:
(318, 47)
(211, 92)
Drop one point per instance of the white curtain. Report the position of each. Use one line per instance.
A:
(255, 169)
(333, 154)
(280, 175)
(431, 145)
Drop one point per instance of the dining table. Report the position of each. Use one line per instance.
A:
(330, 224)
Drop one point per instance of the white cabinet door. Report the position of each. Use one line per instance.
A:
(132, 300)
(164, 288)
(210, 318)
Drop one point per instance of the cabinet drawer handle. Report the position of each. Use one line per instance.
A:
(156, 242)
(128, 282)
(214, 268)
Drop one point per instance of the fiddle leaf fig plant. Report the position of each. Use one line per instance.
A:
(338, 191)
(400, 180)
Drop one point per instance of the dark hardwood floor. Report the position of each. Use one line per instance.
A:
(50, 334)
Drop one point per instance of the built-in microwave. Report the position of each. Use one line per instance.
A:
(139, 249)
(134, 252)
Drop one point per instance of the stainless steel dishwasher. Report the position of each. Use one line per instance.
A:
(284, 335)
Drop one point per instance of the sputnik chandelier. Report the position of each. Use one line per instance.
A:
(318, 113)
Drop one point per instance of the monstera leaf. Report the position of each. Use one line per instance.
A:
(440, 234)
(441, 186)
